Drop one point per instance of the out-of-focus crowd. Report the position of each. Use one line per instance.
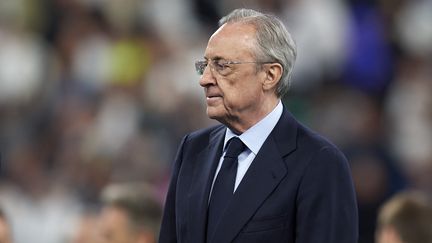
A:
(96, 92)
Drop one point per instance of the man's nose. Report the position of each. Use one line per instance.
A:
(207, 78)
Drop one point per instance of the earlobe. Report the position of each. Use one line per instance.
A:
(273, 76)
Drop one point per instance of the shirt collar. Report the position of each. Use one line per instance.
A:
(255, 136)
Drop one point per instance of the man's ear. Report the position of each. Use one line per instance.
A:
(273, 73)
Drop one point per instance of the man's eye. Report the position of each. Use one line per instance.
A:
(221, 65)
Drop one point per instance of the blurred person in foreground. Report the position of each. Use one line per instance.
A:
(130, 214)
(5, 234)
(260, 176)
(405, 218)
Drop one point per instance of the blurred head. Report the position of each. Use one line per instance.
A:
(5, 236)
(130, 215)
(405, 218)
(85, 229)
(246, 68)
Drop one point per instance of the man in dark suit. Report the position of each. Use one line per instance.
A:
(285, 183)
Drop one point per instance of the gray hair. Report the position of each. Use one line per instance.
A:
(275, 43)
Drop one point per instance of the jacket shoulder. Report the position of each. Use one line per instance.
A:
(314, 140)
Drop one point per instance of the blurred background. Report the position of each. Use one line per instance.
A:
(94, 92)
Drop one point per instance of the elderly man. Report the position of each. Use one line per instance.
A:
(260, 176)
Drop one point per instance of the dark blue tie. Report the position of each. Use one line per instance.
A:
(223, 188)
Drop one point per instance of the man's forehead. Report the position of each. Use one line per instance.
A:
(232, 37)
(236, 31)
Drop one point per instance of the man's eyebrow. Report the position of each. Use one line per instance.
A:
(216, 58)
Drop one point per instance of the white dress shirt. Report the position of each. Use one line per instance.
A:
(253, 138)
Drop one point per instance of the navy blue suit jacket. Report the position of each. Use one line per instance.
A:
(297, 189)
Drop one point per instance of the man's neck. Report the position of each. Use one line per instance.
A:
(240, 125)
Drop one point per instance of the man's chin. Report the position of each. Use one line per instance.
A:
(213, 113)
(212, 116)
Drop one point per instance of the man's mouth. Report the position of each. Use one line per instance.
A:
(208, 96)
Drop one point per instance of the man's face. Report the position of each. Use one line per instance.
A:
(4, 232)
(115, 226)
(236, 94)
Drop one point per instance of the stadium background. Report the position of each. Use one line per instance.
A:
(101, 91)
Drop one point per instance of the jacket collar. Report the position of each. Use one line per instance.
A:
(262, 177)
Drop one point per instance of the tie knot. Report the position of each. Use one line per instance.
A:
(235, 147)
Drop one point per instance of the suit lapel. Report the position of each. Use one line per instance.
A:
(263, 176)
(206, 161)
